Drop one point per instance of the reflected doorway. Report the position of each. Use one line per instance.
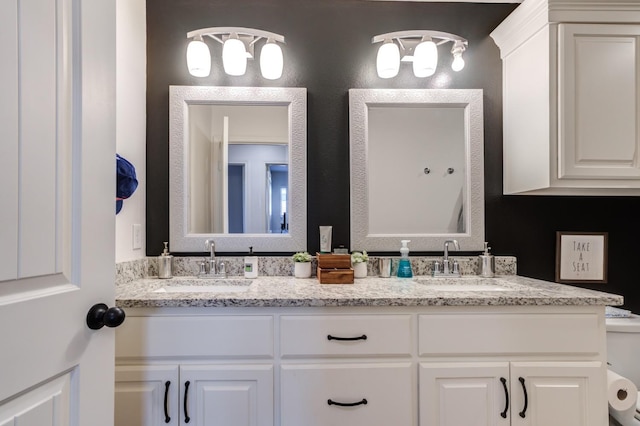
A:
(277, 194)
(236, 181)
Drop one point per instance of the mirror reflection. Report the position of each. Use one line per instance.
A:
(417, 169)
(238, 168)
(417, 152)
(239, 173)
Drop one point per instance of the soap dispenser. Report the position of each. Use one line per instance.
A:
(251, 265)
(164, 263)
(487, 263)
(404, 267)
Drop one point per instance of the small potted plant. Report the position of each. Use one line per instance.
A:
(359, 261)
(302, 264)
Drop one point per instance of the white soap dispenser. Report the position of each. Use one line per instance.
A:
(251, 265)
(487, 263)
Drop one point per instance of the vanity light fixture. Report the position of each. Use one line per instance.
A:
(238, 45)
(420, 47)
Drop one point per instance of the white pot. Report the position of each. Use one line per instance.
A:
(302, 269)
(360, 270)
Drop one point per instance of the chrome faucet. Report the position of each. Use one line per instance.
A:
(216, 269)
(449, 269)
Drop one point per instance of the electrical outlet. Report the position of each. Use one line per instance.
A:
(137, 236)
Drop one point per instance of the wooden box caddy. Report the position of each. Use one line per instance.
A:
(334, 268)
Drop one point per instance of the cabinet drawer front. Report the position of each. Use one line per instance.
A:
(502, 334)
(197, 336)
(389, 391)
(373, 335)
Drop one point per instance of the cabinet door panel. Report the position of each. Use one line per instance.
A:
(598, 98)
(140, 393)
(228, 395)
(464, 394)
(558, 394)
(384, 394)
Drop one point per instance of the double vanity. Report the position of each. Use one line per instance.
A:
(383, 351)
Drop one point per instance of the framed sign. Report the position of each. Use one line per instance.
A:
(581, 257)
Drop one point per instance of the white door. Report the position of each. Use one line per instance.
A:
(599, 98)
(57, 174)
(227, 395)
(558, 394)
(147, 395)
(455, 394)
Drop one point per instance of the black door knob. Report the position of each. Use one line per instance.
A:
(100, 315)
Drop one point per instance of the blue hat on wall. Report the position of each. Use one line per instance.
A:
(126, 182)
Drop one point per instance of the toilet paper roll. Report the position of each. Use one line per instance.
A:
(622, 395)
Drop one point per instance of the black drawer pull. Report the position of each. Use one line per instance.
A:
(347, 404)
(526, 399)
(187, 419)
(363, 337)
(506, 397)
(167, 419)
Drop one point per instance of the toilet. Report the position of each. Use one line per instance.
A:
(623, 347)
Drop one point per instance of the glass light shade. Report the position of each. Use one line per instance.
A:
(271, 61)
(234, 57)
(198, 58)
(388, 60)
(458, 62)
(425, 59)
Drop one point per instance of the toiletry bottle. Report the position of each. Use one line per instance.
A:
(164, 263)
(487, 263)
(251, 265)
(404, 267)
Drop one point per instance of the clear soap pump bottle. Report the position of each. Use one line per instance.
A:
(404, 267)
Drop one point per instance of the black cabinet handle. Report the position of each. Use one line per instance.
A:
(363, 337)
(186, 392)
(347, 404)
(526, 399)
(506, 397)
(167, 419)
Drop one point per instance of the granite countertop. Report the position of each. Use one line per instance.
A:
(508, 290)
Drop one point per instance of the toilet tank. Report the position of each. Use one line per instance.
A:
(623, 347)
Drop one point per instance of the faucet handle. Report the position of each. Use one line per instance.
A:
(456, 267)
(436, 267)
(222, 269)
(203, 268)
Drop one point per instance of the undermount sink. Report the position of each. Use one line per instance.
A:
(466, 284)
(219, 285)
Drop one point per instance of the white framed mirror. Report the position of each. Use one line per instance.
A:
(238, 168)
(417, 168)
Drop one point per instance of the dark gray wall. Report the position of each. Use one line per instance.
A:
(329, 51)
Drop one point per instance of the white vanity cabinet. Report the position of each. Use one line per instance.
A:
(518, 393)
(347, 370)
(146, 395)
(571, 99)
(357, 366)
(514, 368)
(194, 369)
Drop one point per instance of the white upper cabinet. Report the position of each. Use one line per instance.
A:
(571, 98)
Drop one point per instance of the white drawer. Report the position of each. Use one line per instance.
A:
(321, 335)
(196, 336)
(503, 334)
(389, 391)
